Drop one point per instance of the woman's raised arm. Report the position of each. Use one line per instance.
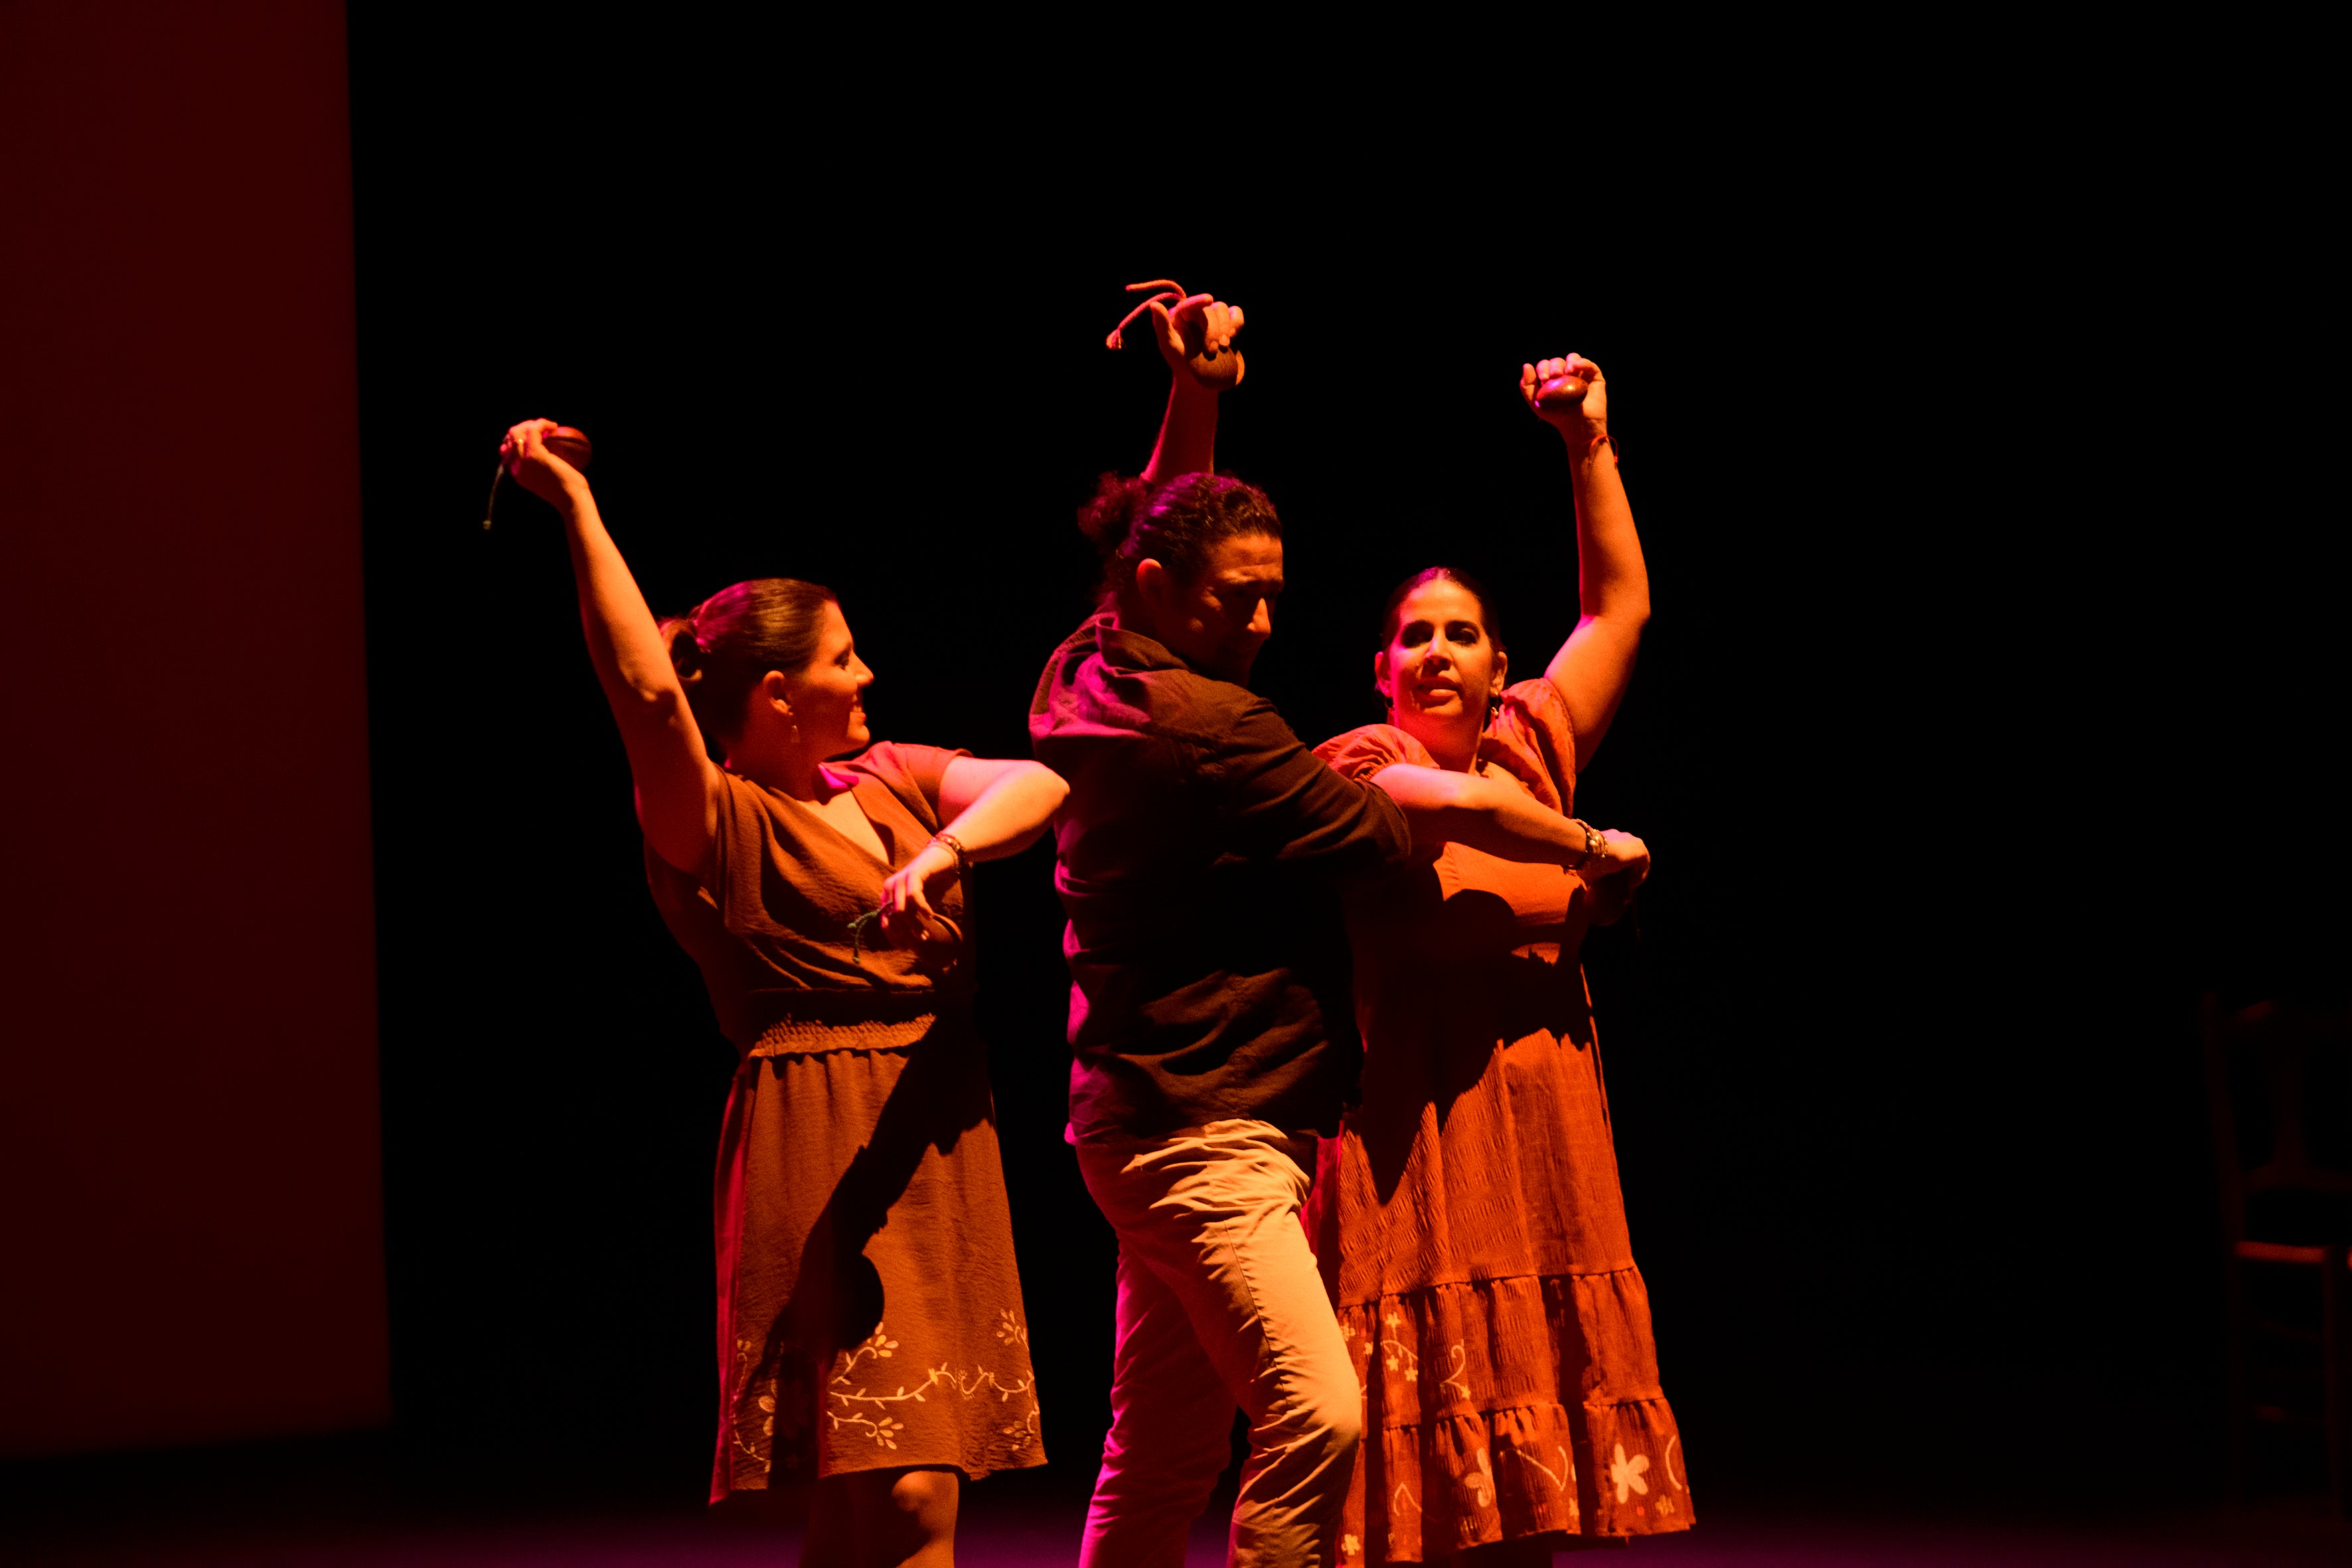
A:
(677, 784)
(1591, 667)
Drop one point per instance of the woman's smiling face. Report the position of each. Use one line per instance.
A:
(827, 694)
(1439, 670)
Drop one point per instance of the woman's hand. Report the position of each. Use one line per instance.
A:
(1611, 875)
(908, 919)
(1621, 854)
(1569, 394)
(1196, 338)
(534, 467)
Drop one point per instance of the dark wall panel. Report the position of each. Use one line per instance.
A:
(190, 1203)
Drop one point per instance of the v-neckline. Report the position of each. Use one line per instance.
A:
(883, 860)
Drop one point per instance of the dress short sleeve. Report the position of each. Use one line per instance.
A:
(1361, 752)
(913, 773)
(1532, 735)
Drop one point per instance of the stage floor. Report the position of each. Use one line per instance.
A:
(281, 1508)
(2272, 1535)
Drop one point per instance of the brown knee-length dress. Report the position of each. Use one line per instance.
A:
(1468, 1213)
(869, 1312)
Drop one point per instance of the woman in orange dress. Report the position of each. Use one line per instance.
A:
(1468, 1213)
(871, 1335)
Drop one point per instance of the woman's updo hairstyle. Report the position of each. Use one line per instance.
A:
(726, 645)
(1392, 613)
(1177, 523)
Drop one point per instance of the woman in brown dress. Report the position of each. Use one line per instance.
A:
(871, 1335)
(1468, 1213)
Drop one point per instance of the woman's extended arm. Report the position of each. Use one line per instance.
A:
(1443, 806)
(1196, 339)
(993, 808)
(1591, 667)
(677, 786)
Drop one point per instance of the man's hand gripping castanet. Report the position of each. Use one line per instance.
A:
(1196, 337)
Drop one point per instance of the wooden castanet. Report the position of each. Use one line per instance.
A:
(1219, 370)
(569, 443)
(1561, 393)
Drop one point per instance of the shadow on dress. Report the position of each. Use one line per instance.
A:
(838, 1298)
(1481, 1004)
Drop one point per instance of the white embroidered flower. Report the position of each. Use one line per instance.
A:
(1349, 1546)
(1482, 1485)
(1625, 1474)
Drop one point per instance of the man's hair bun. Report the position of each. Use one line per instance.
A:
(1105, 518)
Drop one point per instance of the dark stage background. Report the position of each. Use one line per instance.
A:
(1972, 732)
(1985, 719)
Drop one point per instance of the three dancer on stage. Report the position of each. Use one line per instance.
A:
(1456, 1362)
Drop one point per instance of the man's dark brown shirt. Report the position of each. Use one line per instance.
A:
(1198, 858)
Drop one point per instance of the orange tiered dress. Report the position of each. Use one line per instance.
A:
(1468, 1213)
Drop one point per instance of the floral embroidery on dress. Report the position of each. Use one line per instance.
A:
(854, 1406)
(1395, 1355)
(769, 1393)
(868, 1412)
(1625, 1474)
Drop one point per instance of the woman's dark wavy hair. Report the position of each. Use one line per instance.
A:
(726, 645)
(1177, 523)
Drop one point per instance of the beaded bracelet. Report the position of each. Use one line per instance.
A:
(954, 847)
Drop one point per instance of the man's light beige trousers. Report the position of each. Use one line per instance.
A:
(1219, 1305)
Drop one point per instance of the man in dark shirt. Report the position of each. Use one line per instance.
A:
(1197, 855)
(1208, 1016)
